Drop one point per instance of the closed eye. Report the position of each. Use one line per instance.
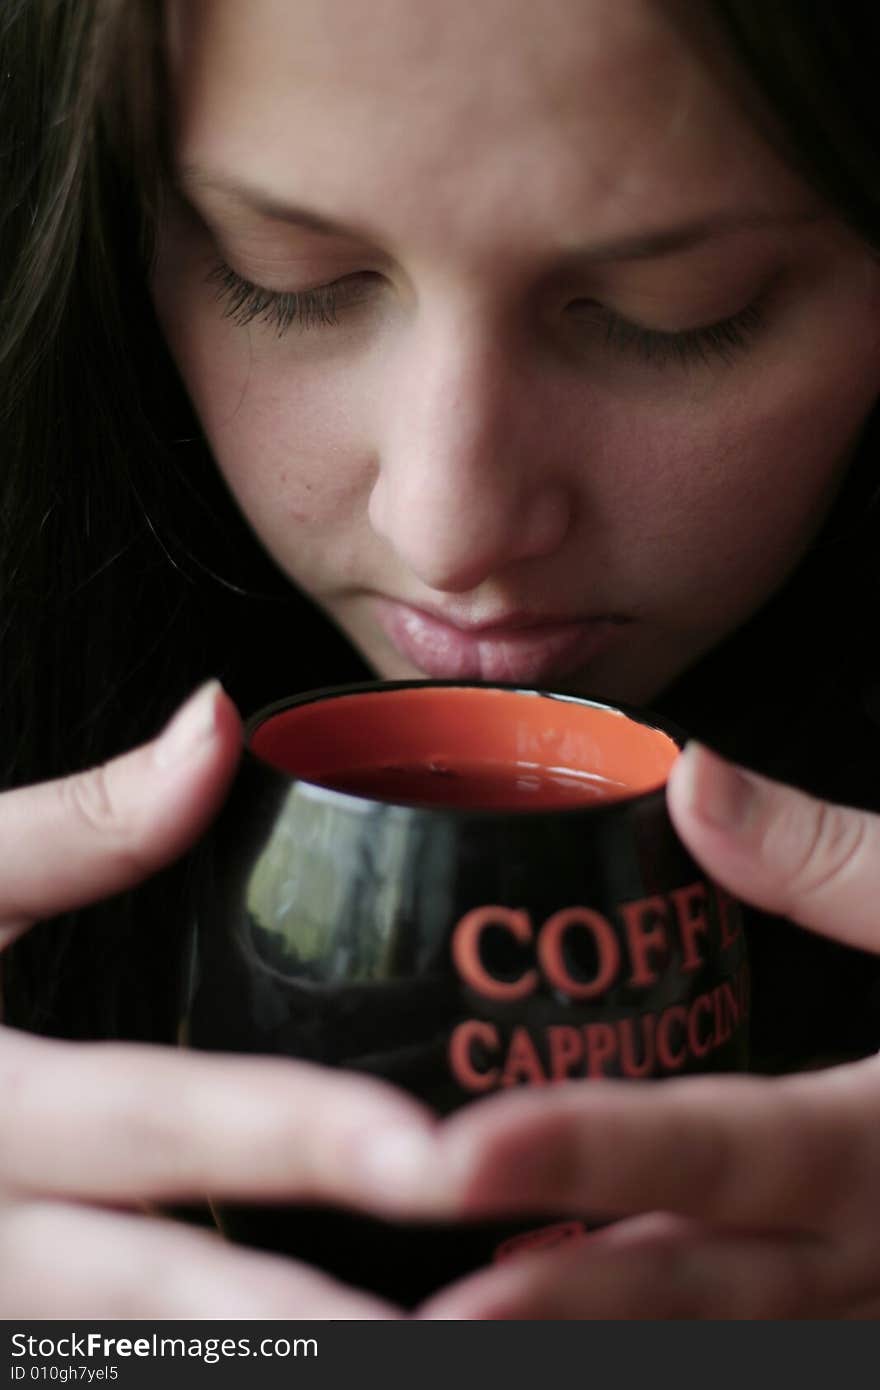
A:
(724, 339)
(244, 302)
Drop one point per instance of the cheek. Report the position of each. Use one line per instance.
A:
(730, 486)
(286, 427)
(288, 451)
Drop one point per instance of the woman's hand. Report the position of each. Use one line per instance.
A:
(740, 1198)
(91, 1130)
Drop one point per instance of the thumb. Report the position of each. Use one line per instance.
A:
(71, 841)
(811, 861)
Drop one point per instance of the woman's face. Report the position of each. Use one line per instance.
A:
(519, 350)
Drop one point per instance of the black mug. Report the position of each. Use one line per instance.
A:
(457, 888)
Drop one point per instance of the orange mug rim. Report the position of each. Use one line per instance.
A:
(644, 719)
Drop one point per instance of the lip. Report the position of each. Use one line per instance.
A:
(527, 649)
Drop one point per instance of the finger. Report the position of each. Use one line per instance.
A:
(66, 1262)
(798, 1153)
(116, 1123)
(84, 837)
(649, 1269)
(808, 860)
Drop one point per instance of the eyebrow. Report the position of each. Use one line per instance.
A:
(662, 241)
(192, 177)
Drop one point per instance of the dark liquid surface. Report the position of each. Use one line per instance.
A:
(483, 785)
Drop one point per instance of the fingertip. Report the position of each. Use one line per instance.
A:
(208, 718)
(194, 760)
(705, 787)
(680, 785)
(227, 718)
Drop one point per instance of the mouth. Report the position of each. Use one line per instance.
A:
(523, 648)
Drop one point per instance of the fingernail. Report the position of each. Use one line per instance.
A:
(190, 728)
(721, 794)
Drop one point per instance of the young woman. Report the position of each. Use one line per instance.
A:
(439, 340)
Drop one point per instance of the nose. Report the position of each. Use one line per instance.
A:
(467, 484)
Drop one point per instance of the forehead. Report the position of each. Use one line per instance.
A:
(414, 114)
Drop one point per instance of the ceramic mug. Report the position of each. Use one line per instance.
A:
(458, 888)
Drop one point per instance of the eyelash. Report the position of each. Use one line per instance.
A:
(725, 339)
(247, 303)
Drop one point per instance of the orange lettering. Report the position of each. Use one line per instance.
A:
(552, 957)
(601, 1047)
(644, 939)
(628, 1064)
(467, 958)
(566, 1050)
(523, 1062)
(670, 1060)
(461, 1060)
(690, 910)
